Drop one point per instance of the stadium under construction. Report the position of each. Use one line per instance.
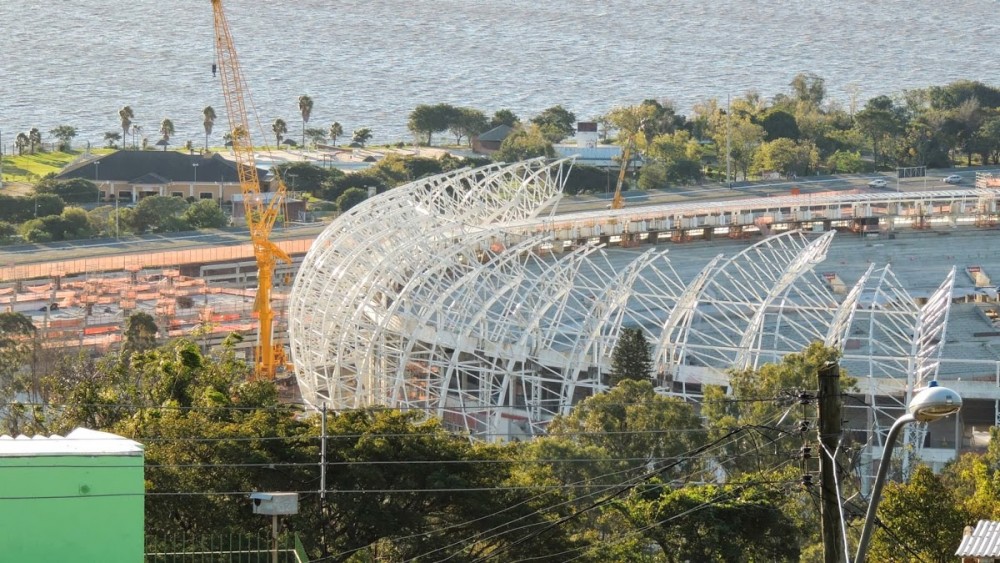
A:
(466, 296)
(474, 297)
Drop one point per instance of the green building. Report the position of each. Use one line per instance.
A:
(73, 498)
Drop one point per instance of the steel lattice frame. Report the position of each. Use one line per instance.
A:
(434, 296)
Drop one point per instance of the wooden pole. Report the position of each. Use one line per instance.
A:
(829, 436)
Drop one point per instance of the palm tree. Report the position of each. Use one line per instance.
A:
(166, 129)
(279, 127)
(336, 130)
(34, 138)
(127, 115)
(305, 108)
(209, 114)
(136, 130)
(21, 141)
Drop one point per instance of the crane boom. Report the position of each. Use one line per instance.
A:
(618, 202)
(261, 213)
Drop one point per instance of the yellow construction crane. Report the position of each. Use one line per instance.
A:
(261, 212)
(618, 202)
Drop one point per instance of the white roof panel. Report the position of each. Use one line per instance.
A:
(81, 441)
(983, 542)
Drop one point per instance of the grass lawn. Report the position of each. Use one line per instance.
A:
(27, 169)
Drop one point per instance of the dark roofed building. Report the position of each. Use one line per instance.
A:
(490, 141)
(132, 175)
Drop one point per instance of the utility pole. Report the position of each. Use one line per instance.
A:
(829, 436)
(729, 151)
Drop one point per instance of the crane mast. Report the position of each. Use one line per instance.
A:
(261, 214)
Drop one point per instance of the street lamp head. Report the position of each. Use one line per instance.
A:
(934, 402)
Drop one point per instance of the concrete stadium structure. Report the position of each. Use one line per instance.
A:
(455, 296)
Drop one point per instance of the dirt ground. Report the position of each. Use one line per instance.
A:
(16, 188)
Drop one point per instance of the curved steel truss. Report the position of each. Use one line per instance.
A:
(423, 298)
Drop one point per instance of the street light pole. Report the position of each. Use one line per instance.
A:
(931, 403)
(195, 166)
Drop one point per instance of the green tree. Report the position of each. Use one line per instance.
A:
(34, 139)
(111, 139)
(755, 400)
(671, 158)
(845, 162)
(745, 139)
(555, 123)
(205, 214)
(637, 427)
(968, 116)
(809, 88)
(65, 134)
(17, 352)
(712, 523)
(166, 131)
(631, 358)
(280, 129)
(307, 177)
(429, 119)
(336, 131)
(879, 122)
(76, 223)
(158, 214)
(653, 176)
(7, 232)
(780, 124)
(974, 480)
(72, 223)
(467, 122)
(504, 117)
(988, 140)
(786, 157)
(411, 522)
(140, 332)
(923, 515)
(305, 109)
(350, 198)
(21, 142)
(660, 119)
(126, 115)
(74, 190)
(523, 144)
(208, 121)
(361, 136)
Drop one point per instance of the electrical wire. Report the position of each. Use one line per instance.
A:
(574, 501)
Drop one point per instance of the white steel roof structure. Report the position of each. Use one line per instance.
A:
(435, 296)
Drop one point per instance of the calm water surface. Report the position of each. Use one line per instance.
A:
(367, 63)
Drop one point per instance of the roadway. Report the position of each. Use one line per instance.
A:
(742, 190)
(93, 248)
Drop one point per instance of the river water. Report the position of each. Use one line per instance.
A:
(367, 63)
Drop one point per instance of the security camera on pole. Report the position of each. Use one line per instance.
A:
(275, 504)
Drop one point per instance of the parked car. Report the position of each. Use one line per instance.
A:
(878, 183)
(953, 179)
